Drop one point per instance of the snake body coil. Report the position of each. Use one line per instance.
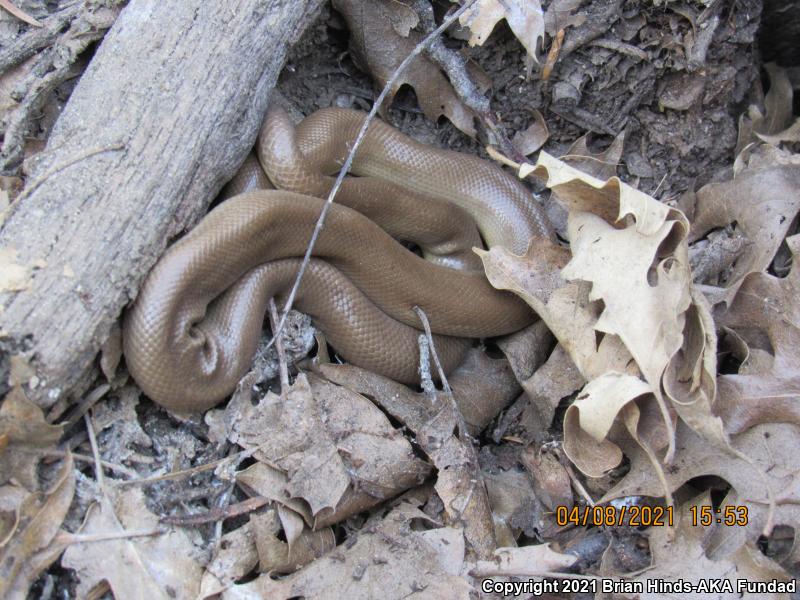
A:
(193, 330)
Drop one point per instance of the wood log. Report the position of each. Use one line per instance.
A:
(168, 107)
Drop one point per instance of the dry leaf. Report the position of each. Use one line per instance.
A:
(546, 380)
(279, 551)
(766, 315)
(628, 313)
(524, 17)
(123, 437)
(770, 447)
(387, 559)
(159, 566)
(762, 202)
(26, 433)
(775, 125)
(263, 480)
(329, 440)
(460, 486)
(550, 479)
(559, 15)
(531, 139)
(513, 503)
(589, 419)
(777, 102)
(30, 546)
(378, 48)
(557, 379)
(681, 555)
(482, 387)
(527, 561)
(790, 134)
(236, 555)
(602, 165)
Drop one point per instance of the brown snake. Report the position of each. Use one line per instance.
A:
(193, 330)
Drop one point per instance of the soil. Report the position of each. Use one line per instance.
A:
(676, 105)
(677, 108)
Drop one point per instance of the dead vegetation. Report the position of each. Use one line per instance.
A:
(662, 379)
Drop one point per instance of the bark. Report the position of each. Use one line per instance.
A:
(168, 107)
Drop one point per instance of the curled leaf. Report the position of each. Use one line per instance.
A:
(524, 17)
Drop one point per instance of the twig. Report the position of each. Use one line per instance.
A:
(83, 538)
(455, 66)
(427, 327)
(283, 367)
(218, 514)
(19, 13)
(98, 466)
(426, 381)
(621, 47)
(349, 160)
(223, 504)
(576, 483)
(33, 40)
(81, 458)
(88, 402)
(463, 432)
(533, 573)
(209, 466)
(451, 62)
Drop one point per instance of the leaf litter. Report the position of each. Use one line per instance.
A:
(372, 488)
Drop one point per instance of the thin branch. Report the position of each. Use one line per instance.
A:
(283, 367)
(87, 403)
(218, 514)
(67, 538)
(426, 381)
(427, 327)
(423, 45)
(123, 470)
(98, 466)
(209, 466)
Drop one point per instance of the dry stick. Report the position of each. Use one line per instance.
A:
(455, 66)
(576, 483)
(84, 538)
(88, 402)
(462, 425)
(349, 160)
(33, 40)
(451, 62)
(427, 327)
(98, 466)
(426, 381)
(218, 514)
(80, 458)
(238, 456)
(283, 367)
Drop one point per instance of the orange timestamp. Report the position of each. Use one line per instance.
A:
(613, 516)
(730, 516)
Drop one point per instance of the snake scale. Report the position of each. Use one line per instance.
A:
(193, 329)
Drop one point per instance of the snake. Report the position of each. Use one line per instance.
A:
(194, 327)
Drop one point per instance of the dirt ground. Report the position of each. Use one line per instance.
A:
(666, 152)
(672, 78)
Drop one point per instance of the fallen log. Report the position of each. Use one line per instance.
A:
(168, 107)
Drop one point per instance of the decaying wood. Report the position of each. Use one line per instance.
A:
(166, 110)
